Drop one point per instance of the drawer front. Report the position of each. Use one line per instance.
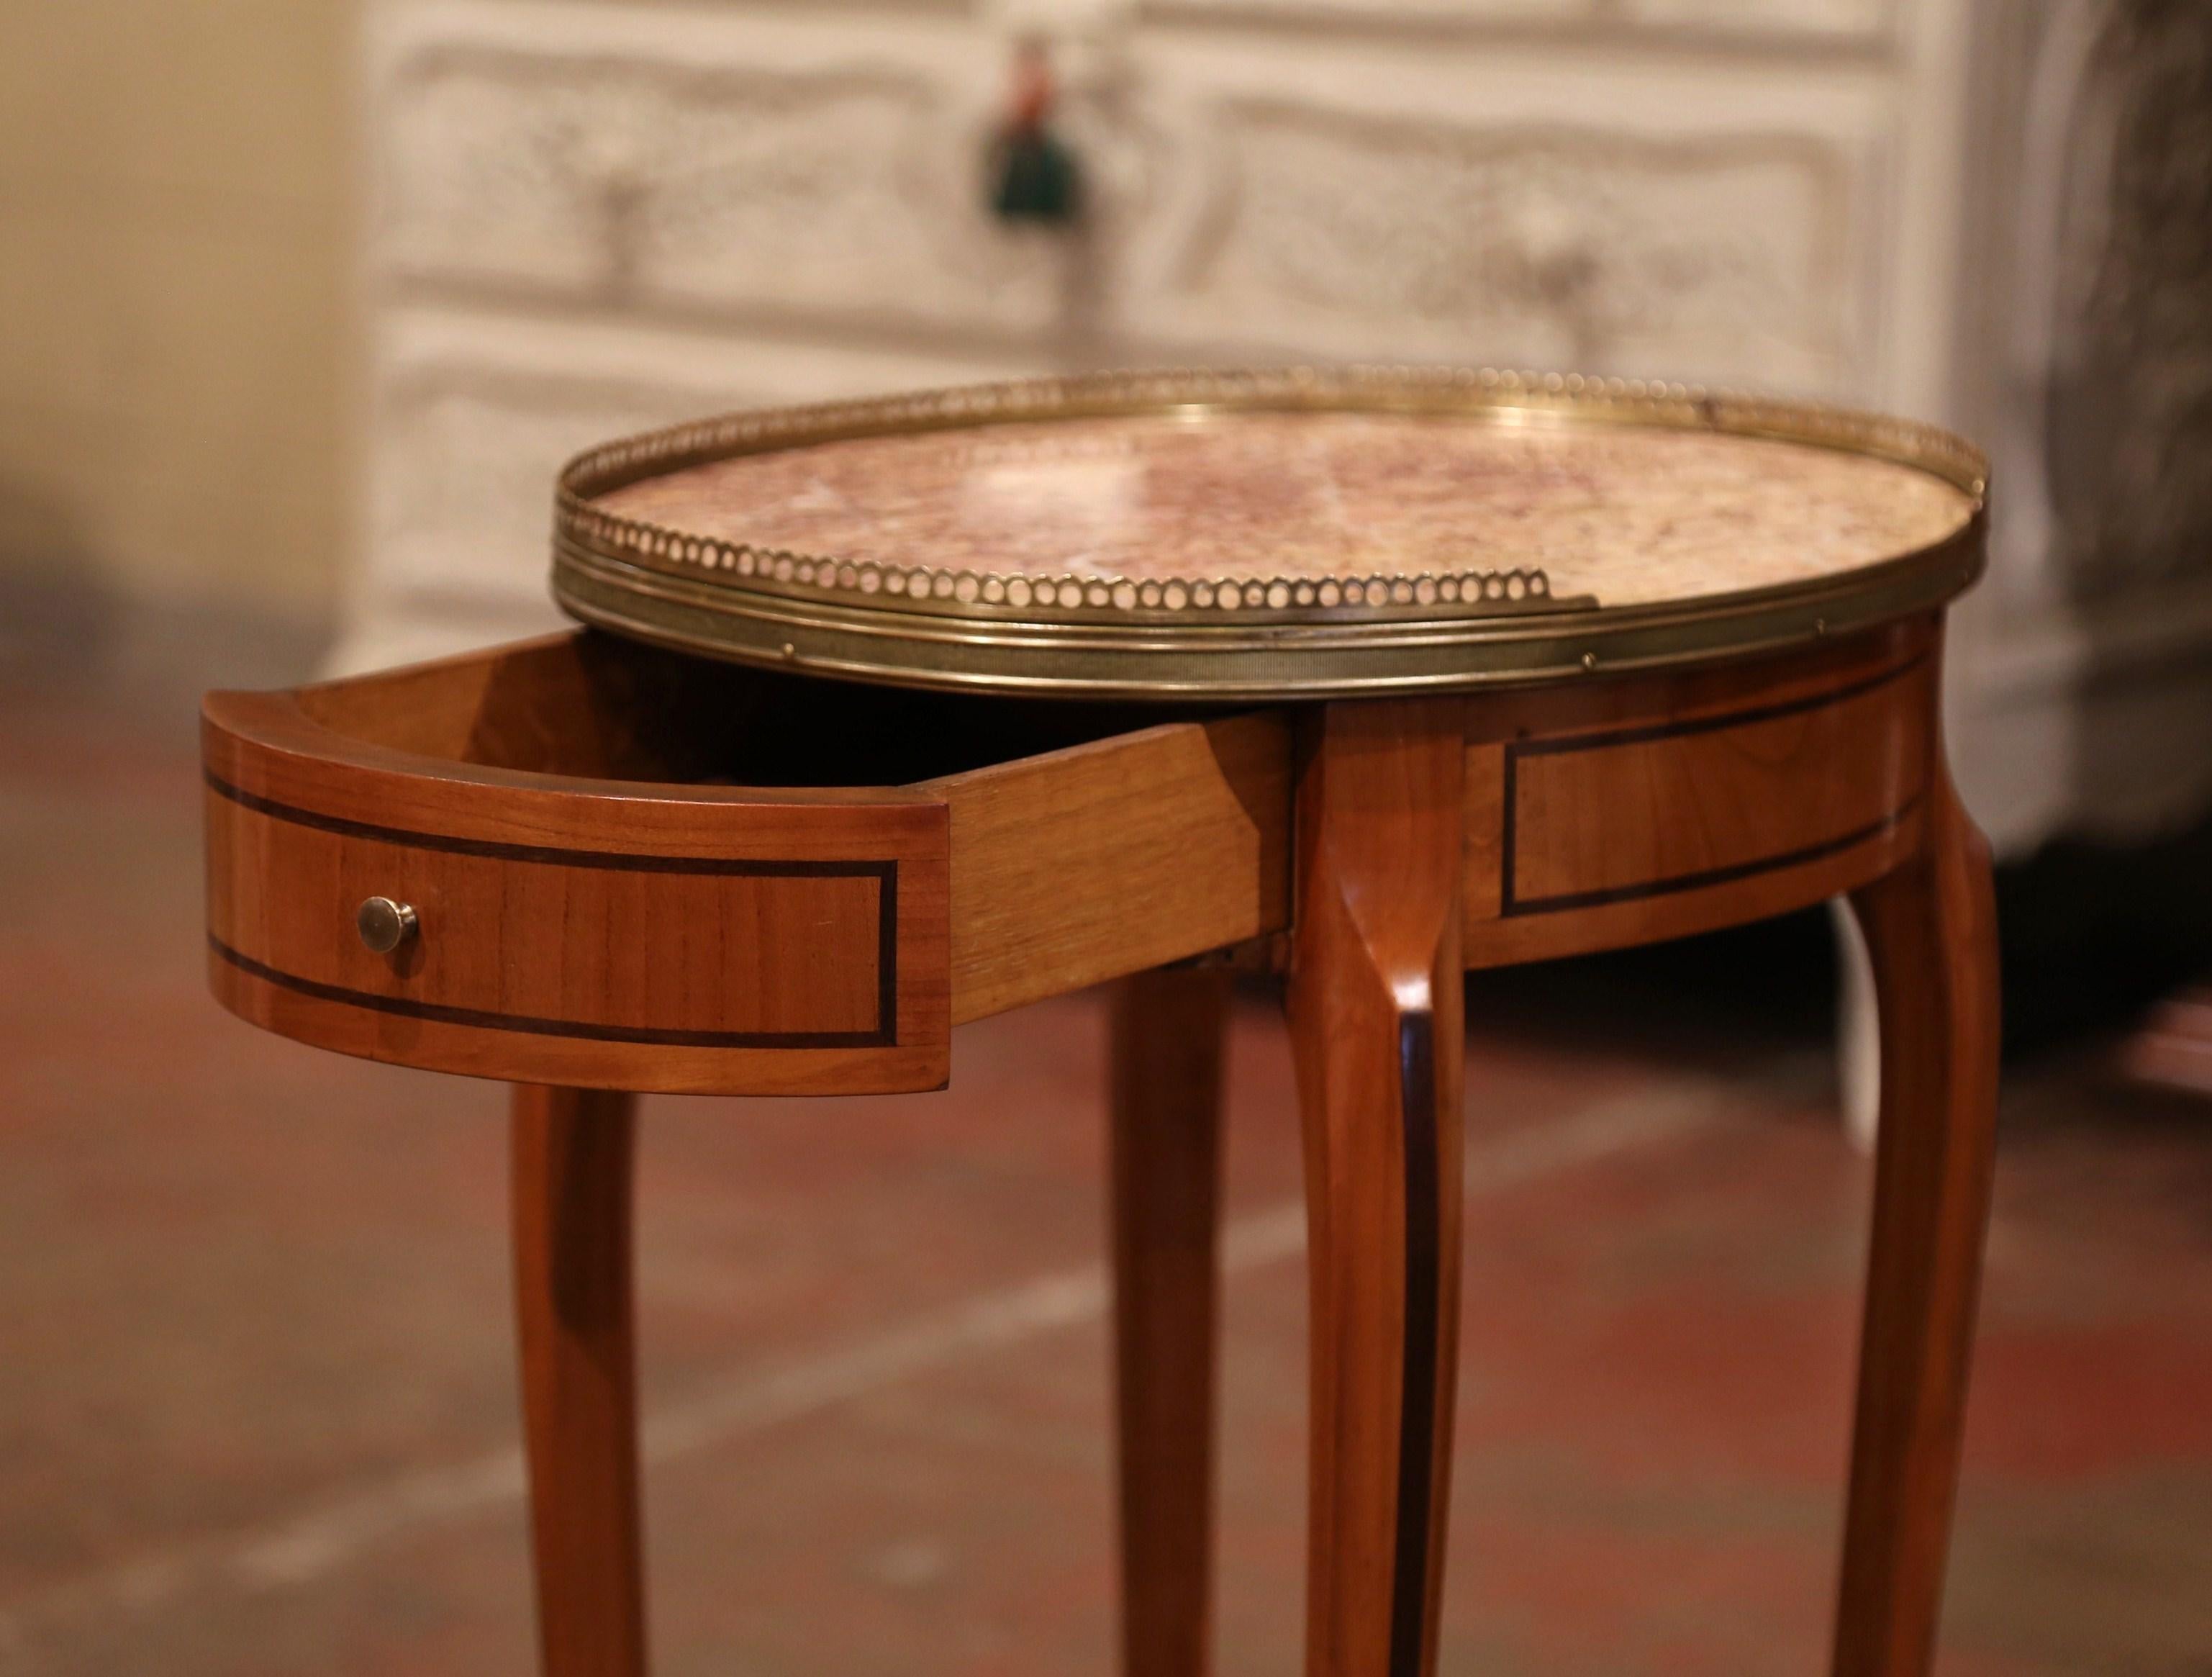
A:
(796, 948)
(1599, 819)
(1794, 788)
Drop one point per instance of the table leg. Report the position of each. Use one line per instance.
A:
(1167, 1051)
(572, 1167)
(1376, 1027)
(1931, 929)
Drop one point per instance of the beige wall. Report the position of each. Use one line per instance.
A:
(174, 279)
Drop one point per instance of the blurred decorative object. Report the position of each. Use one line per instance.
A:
(2130, 406)
(2095, 193)
(1033, 174)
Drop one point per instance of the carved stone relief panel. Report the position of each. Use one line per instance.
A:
(460, 505)
(2130, 439)
(838, 186)
(2083, 689)
(1383, 14)
(1724, 257)
(474, 415)
(1815, 18)
(627, 179)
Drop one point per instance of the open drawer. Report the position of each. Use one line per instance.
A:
(631, 869)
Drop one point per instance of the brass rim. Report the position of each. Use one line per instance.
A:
(1235, 636)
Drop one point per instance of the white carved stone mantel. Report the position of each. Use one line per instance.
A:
(589, 215)
(2088, 322)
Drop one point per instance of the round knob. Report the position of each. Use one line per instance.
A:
(383, 923)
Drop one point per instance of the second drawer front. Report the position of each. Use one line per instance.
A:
(1648, 812)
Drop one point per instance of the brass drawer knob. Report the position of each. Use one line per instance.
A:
(384, 925)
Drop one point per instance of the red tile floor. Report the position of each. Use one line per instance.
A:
(257, 1401)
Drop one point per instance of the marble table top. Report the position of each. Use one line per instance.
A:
(1625, 513)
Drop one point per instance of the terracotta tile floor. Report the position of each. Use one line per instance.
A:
(257, 1407)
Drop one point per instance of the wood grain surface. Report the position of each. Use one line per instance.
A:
(1168, 1044)
(594, 931)
(634, 871)
(1622, 813)
(1375, 1002)
(1931, 929)
(697, 870)
(573, 1155)
(1113, 857)
(737, 952)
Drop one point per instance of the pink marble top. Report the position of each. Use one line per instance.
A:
(1629, 515)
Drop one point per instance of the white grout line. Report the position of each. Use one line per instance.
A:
(312, 1546)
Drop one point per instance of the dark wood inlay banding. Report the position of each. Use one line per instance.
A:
(1417, 1395)
(885, 873)
(438, 1013)
(552, 855)
(1512, 904)
(1711, 876)
(1733, 719)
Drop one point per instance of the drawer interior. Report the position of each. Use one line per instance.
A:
(1083, 839)
(595, 705)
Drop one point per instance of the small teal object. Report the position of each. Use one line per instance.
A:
(1036, 178)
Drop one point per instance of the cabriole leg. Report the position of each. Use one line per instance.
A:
(1931, 929)
(1375, 1024)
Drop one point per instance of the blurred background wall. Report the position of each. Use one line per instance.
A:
(176, 242)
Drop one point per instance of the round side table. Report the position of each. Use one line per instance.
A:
(1370, 677)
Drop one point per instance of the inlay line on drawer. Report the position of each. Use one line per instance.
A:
(737, 949)
(647, 932)
(1617, 816)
